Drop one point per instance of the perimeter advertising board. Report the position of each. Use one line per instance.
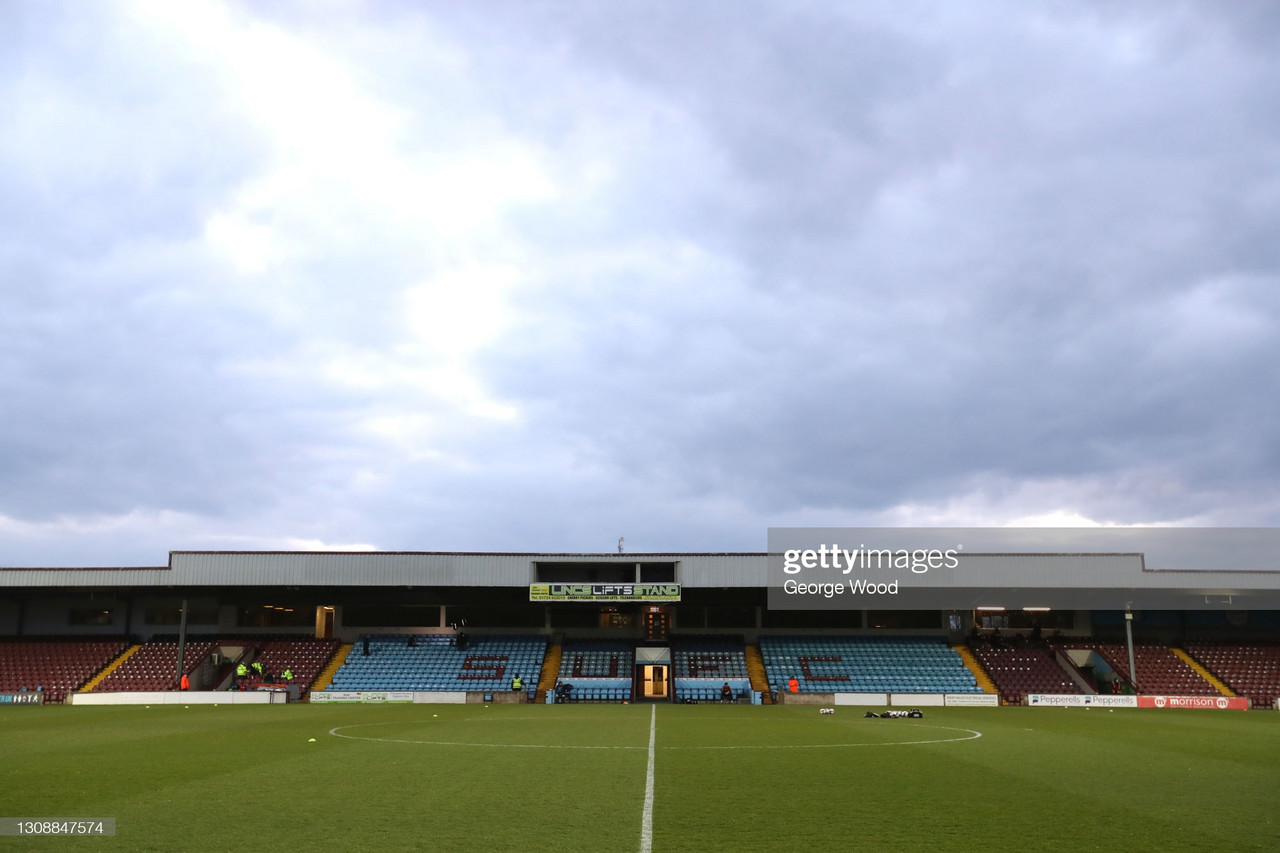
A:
(1080, 700)
(1217, 703)
(375, 696)
(972, 700)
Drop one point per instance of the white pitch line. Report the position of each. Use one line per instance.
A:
(646, 820)
(970, 734)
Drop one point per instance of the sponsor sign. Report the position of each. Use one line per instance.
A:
(1219, 703)
(375, 696)
(604, 592)
(31, 697)
(1080, 700)
(1109, 701)
(972, 700)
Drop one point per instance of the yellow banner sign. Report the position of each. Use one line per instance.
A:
(604, 592)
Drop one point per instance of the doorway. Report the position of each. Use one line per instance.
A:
(324, 622)
(653, 681)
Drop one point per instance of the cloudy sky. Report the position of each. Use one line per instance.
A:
(538, 275)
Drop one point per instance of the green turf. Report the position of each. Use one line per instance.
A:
(726, 777)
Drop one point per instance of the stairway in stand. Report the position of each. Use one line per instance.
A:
(550, 671)
(984, 680)
(325, 678)
(755, 669)
(1203, 672)
(108, 669)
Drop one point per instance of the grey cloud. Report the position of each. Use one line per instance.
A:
(840, 263)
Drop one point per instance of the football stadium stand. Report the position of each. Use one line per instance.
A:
(305, 658)
(703, 665)
(154, 667)
(866, 665)
(599, 671)
(709, 657)
(1019, 671)
(662, 626)
(1249, 670)
(1160, 671)
(436, 664)
(58, 667)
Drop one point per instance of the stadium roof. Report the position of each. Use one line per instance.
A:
(1084, 580)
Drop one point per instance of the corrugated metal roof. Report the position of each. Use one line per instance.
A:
(705, 570)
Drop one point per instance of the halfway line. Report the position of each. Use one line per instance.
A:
(646, 821)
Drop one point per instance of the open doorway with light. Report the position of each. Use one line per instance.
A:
(652, 680)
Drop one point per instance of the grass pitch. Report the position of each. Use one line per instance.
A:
(524, 777)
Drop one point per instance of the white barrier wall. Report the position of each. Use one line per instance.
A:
(439, 698)
(862, 699)
(418, 697)
(193, 697)
(920, 700)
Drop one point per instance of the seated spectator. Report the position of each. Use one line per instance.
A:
(726, 693)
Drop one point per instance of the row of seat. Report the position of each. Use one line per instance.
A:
(597, 694)
(703, 694)
(695, 663)
(436, 663)
(578, 663)
(57, 666)
(1252, 671)
(852, 664)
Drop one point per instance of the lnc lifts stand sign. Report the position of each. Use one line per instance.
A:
(604, 592)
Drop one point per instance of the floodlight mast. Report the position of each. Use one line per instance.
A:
(182, 639)
(1128, 633)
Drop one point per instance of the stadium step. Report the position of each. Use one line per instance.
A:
(1204, 673)
(550, 671)
(984, 680)
(325, 678)
(108, 669)
(755, 670)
